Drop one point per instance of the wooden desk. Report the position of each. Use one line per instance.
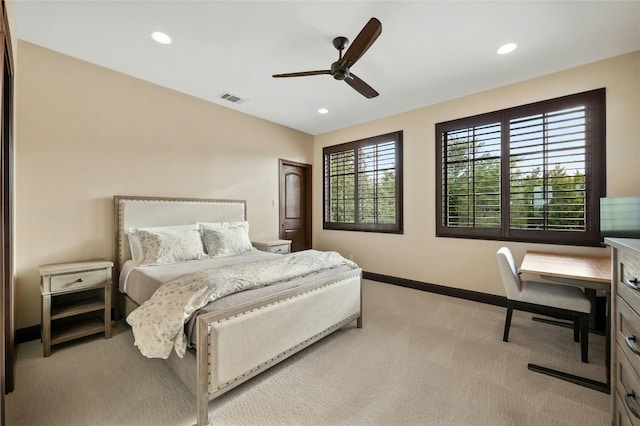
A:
(583, 271)
(590, 272)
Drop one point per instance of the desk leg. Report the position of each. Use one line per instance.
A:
(553, 322)
(607, 357)
(583, 381)
(578, 380)
(591, 294)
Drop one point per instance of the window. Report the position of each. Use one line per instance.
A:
(363, 185)
(533, 173)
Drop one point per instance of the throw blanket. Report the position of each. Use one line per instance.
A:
(158, 324)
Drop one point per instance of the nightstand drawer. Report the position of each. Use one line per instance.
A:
(280, 248)
(276, 246)
(78, 280)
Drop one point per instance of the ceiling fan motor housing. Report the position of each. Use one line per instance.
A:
(338, 72)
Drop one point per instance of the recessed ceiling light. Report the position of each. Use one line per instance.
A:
(506, 48)
(161, 38)
(323, 111)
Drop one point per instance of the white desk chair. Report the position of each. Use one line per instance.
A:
(555, 300)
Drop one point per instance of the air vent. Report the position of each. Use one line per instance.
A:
(232, 98)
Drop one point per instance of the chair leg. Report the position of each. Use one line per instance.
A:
(576, 328)
(584, 337)
(507, 322)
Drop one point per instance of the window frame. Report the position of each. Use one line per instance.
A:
(397, 227)
(595, 171)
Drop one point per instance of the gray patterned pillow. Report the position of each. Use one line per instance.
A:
(226, 240)
(134, 241)
(169, 246)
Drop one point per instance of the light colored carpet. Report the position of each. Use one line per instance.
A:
(421, 359)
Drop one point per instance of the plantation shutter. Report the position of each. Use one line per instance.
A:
(340, 186)
(363, 186)
(376, 183)
(472, 177)
(548, 187)
(531, 173)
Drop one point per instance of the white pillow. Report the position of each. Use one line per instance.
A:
(160, 247)
(217, 225)
(223, 239)
(134, 241)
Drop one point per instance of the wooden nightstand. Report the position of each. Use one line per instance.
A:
(76, 301)
(275, 246)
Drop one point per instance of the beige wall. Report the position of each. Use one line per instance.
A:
(471, 264)
(87, 133)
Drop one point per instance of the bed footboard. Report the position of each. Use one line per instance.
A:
(237, 344)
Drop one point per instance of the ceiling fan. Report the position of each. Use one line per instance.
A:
(341, 69)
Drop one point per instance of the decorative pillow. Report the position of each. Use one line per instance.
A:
(134, 241)
(159, 247)
(226, 238)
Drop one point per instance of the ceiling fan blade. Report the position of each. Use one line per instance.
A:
(302, 74)
(363, 88)
(362, 42)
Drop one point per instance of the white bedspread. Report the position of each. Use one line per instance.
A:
(158, 325)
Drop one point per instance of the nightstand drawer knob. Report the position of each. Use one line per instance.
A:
(79, 280)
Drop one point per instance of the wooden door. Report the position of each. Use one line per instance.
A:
(295, 204)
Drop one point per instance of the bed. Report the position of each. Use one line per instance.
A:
(241, 335)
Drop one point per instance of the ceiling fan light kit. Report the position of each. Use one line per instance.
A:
(341, 69)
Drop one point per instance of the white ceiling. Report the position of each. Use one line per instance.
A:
(428, 52)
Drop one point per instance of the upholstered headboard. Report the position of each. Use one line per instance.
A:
(138, 212)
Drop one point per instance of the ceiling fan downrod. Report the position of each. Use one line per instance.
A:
(340, 72)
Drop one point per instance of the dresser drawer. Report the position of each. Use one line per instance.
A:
(628, 388)
(628, 332)
(621, 415)
(78, 280)
(629, 273)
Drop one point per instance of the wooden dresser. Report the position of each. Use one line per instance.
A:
(625, 326)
